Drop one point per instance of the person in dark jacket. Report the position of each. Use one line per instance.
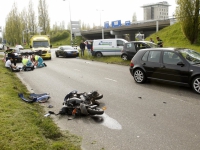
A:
(89, 46)
(82, 47)
(159, 42)
(10, 53)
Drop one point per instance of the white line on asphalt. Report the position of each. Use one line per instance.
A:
(110, 79)
(76, 70)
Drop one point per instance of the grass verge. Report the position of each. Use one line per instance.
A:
(23, 125)
(106, 59)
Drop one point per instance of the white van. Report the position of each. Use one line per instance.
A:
(107, 47)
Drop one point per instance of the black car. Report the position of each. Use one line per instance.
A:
(175, 65)
(66, 51)
(132, 47)
(18, 57)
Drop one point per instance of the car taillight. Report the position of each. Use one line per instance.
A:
(131, 64)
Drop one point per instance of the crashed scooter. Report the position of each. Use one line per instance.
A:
(75, 105)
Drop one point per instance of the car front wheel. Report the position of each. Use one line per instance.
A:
(124, 57)
(139, 76)
(196, 84)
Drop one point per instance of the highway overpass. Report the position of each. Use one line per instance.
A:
(144, 27)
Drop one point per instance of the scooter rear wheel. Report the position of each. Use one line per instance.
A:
(95, 111)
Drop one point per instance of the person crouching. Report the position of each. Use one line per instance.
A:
(27, 63)
(38, 61)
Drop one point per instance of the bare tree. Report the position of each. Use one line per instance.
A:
(43, 17)
(187, 13)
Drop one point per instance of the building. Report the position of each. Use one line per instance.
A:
(156, 11)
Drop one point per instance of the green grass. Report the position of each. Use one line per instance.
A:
(106, 59)
(23, 125)
(173, 36)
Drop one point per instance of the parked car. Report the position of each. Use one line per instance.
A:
(174, 65)
(18, 57)
(66, 51)
(18, 48)
(132, 47)
(107, 47)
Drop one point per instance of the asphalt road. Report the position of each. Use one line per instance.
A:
(152, 116)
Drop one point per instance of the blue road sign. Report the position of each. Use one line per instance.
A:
(127, 23)
(116, 23)
(106, 24)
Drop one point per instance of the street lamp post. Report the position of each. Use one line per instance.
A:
(70, 22)
(100, 10)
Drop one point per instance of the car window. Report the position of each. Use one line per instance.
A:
(145, 56)
(128, 45)
(171, 58)
(154, 56)
(191, 56)
(139, 46)
(120, 43)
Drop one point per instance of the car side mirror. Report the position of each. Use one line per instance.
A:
(180, 64)
(50, 46)
(30, 46)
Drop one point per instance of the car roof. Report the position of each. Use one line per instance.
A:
(65, 46)
(164, 48)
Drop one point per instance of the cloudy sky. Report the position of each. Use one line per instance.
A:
(88, 11)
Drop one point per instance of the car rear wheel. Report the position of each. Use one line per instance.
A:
(98, 54)
(196, 84)
(139, 76)
(124, 57)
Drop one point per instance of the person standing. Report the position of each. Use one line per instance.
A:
(151, 40)
(89, 48)
(82, 47)
(159, 42)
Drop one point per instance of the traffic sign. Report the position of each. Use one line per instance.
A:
(116, 23)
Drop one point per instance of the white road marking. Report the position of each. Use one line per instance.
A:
(177, 99)
(110, 79)
(76, 70)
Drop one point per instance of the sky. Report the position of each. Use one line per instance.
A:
(88, 11)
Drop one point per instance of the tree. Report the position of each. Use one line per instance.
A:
(187, 14)
(13, 27)
(44, 20)
(31, 19)
(134, 17)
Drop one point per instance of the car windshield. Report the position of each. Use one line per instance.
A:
(191, 56)
(40, 44)
(151, 44)
(67, 47)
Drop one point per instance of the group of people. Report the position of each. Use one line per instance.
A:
(83, 45)
(159, 41)
(34, 61)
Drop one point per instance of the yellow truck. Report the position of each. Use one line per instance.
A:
(41, 44)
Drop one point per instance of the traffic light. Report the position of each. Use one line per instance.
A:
(72, 35)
